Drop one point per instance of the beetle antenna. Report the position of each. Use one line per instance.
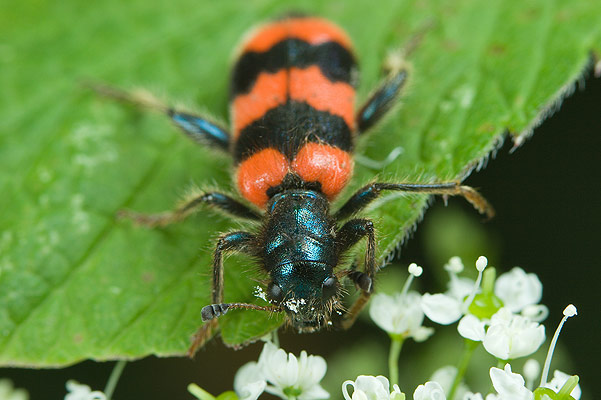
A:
(216, 310)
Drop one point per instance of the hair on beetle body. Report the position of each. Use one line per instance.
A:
(292, 135)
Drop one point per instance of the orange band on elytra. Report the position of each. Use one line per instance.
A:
(311, 30)
(311, 86)
(269, 91)
(259, 172)
(328, 165)
(307, 85)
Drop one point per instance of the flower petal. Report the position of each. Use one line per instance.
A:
(285, 373)
(400, 314)
(422, 333)
(315, 392)
(429, 391)
(511, 336)
(471, 328)
(518, 289)
(445, 376)
(78, 391)
(509, 385)
(472, 396)
(249, 382)
(460, 287)
(441, 308)
(368, 387)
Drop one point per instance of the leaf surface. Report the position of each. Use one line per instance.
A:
(76, 284)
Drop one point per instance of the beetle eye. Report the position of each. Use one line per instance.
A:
(275, 292)
(328, 288)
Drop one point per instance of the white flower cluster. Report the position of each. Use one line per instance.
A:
(9, 392)
(401, 315)
(505, 319)
(367, 387)
(506, 334)
(78, 391)
(511, 386)
(283, 375)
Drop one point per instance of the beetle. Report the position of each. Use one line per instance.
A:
(293, 132)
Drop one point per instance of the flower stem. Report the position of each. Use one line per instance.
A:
(396, 343)
(199, 392)
(468, 351)
(275, 339)
(570, 311)
(114, 378)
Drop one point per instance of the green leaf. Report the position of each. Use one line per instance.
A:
(77, 284)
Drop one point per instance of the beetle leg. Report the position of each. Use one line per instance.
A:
(198, 128)
(234, 241)
(348, 235)
(370, 192)
(385, 96)
(201, 130)
(218, 200)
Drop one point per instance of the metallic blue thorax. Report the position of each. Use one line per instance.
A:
(300, 249)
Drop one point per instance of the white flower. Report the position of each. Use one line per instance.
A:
(446, 308)
(455, 265)
(429, 391)
(442, 308)
(519, 292)
(368, 387)
(470, 327)
(517, 289)
(282, 374)
(8, 392)
(289, 377)
(472, 396)
(509, 385)
(400, 314)
(531, 372)
(511, 336)
(396, 393)
(559, 379)
(249, 382)
(535, 312)
(445, 376)
(78, 391)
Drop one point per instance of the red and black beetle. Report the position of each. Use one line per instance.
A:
(293, 131)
